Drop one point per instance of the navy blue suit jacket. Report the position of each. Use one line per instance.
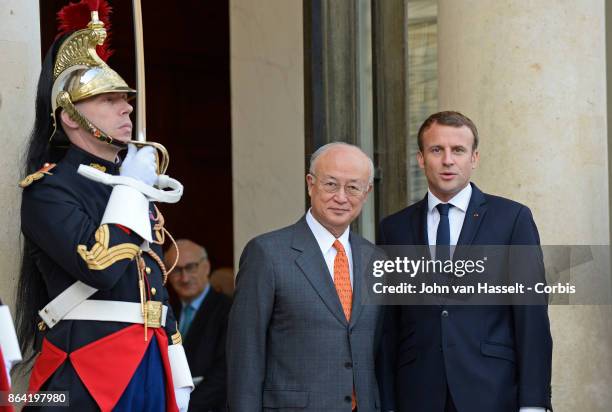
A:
(491, 358)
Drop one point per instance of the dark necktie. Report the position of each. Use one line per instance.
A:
(443, 234)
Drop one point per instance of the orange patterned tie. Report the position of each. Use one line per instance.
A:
(342, 281)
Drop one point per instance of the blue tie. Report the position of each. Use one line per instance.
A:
(187, 318)
(443, 234)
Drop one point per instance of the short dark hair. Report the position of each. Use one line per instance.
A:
(448, 118)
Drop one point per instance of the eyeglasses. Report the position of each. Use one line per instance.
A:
(190, 268)
(350, 189)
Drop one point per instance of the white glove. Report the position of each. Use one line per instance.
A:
(182, 396)
(140, 164)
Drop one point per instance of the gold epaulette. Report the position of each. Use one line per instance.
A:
(98, 166)
(176, 338)
(29, 179)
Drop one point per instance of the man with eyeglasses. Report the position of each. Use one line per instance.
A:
(299, 336)
(202, 320)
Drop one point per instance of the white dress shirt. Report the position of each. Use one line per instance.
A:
(456, 214)
(326, 240)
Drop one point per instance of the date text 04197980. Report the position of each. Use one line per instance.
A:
(41, 398)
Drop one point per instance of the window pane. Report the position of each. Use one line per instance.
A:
(422, 82)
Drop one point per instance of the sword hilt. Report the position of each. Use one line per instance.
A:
(163, 158)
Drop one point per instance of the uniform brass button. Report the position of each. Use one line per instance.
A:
(148, 270)
(153, 291)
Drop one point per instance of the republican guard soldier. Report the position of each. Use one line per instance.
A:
(91, 290)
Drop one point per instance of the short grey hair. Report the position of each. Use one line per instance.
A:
(315, 156)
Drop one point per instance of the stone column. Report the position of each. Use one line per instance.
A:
(390, 28)
(267, 82)
(20, 61)
(20, 51)
(531, 74)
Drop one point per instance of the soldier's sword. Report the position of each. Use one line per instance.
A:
(141, 97)
(168, 190)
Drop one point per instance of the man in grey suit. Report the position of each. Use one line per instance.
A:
(299, 337)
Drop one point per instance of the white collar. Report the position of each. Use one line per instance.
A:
(461, 200)
(324, 238)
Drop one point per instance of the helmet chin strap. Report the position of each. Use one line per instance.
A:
(64, 101)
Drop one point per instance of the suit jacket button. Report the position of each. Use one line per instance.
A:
(348, 398)
(445, 314)
(348, 365)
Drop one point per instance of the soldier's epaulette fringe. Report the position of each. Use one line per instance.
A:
(29, 179)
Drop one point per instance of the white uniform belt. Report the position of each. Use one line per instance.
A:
(65, 302)
(111, 311)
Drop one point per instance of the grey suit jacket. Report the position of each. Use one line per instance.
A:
(289, 345)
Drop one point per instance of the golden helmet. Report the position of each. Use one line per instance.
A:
(79, 72)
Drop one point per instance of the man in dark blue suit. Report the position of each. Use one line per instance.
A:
(202, 314)
(463, 358)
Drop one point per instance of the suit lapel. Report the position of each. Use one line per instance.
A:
(421, 216)
(201, 316)
(477, 208)
(362, 254)
(419, 226)
(312, 264)
(358, 267)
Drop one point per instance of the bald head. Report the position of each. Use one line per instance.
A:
(185, 246)
(345, 148)
(338, 185)
(190, 276)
